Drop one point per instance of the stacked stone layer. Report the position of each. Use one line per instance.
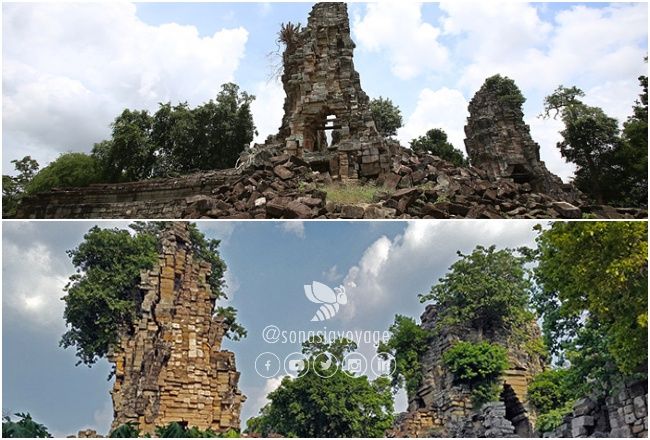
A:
(171, 368)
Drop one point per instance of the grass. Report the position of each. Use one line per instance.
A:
(352, 193)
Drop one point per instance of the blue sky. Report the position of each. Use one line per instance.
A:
(384, 266)
(69, 70)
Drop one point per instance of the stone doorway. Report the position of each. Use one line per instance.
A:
(515, 412)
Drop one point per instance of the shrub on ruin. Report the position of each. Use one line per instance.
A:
(478, 365)
(550, 390)
(486, 290)
(407, 344)
(507, 92)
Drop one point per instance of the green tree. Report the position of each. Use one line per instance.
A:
(387, 116)
(103, 297)
(130, 154)
(631, 182)
(14, 187)
(590, 141)
(550, 390)
(173, 132)
(68, 170)
(479, 365)
(486, 289)
(592, 297)
(435, 142)
(26, 427)
(224, 128)
(407, 344)
(313, 405)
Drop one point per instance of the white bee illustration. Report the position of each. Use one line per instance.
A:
(328, 298)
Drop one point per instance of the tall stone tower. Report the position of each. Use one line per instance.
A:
(172, 368)
(323, 92)
(499, 142)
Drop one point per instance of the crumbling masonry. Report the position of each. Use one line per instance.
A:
(442, 407)
(171, 367)
(323, 92)
(499, 142)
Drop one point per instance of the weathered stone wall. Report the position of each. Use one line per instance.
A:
(444, 407)
(283, 186)
(319, 80)
(171, 367)
(499, 142)
(624, 413)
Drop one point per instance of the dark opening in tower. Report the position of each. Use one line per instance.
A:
(515, 412)
(521, 174)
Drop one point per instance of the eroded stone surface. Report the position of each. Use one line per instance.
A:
(499, 142)
(172, 368)
(441, 407)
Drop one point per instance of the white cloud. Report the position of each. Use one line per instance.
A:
(332, 274)
(267, 109)
(35, 298)
(294, 227)
(443, 108)
(270, 385)
(68, 70)
(412, 261)
(397, 29)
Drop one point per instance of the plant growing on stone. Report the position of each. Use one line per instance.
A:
(407, 344)
(506, 90)
(487, 289)
(68, 170)
(103, 298)
(551, 389)
(553, 419)
(478, 365)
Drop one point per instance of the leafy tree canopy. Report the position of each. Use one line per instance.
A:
(592, 296)
(485, 289)
(435, 142)
(26, 427)
(387, 116)
(14, 187)
(313, 405)
(178, 139)
(408, 342)
(68, 170)
(102, 299)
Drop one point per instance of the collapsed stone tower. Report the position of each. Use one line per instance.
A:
(442, 407)
(172, 368)
(499, 142)
(323, 93)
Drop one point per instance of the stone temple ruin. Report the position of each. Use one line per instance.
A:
(323, 93)
(444, 408)
(499, 142)
(327, 135)
(171, 368)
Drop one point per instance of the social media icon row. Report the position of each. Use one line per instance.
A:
(269, 365)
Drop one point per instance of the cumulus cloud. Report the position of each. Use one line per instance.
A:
(267, 109)
(407, 265)
(35, 298)
(294, 227)
(411, 45)
(443, 108)
(68, 70)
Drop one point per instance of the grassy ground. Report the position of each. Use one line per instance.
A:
(351, 193)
